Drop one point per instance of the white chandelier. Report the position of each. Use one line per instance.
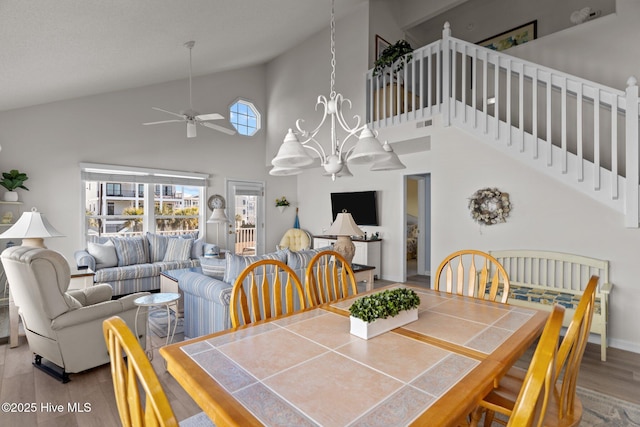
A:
(293, 156)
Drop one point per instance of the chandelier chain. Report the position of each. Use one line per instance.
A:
(332, 93)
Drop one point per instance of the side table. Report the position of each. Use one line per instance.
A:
(364, 273)
(157, 300)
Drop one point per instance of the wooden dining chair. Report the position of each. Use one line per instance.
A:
(481, 271)
(329, 277)
(272, 289)
(131, 371)
(565, 408)
(533, 398)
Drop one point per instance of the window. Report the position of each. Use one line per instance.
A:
(116, 196)
(244, 117)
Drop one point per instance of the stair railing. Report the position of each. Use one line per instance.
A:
(576, 128)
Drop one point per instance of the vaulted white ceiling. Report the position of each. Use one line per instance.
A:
(62, 49)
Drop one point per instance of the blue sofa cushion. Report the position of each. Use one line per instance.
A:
(178, 250)
(213, 267)
(237, 263)
(136, 271)
(157, 246)
(131, 250)
(300, 259)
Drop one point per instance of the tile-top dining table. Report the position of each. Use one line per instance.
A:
(306, 369)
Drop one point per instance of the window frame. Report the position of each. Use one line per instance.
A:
(251, 106)
(147, 179)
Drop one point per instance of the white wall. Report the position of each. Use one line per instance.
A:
(48, 141)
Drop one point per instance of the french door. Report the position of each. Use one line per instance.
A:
(245, 207)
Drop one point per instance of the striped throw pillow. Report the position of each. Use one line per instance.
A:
(178, 250)
(131, 250)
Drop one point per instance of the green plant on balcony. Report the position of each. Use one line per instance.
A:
(393, 58)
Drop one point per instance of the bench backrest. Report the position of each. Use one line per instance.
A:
(553, 270)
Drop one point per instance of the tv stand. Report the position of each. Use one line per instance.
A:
(368, 252)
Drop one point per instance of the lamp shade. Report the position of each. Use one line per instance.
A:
(218, 217)
(344, 225)
(391, 163)
(32, 228)
(368, 149)
(292, 153)
(281, 171)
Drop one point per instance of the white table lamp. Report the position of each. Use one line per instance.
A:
(218, 217)
(344, 227)
(32, 228)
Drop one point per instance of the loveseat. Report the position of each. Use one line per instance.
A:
(207, 294)
(134, 264)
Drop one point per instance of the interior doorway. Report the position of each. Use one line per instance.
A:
(418, 225)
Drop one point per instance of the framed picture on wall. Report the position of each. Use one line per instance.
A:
(381, 44)
(513, 37)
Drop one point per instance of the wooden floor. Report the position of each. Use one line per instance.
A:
(21, 383)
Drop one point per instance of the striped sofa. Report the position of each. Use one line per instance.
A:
(133, 264)
(207, 297)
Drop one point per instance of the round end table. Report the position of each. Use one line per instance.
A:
(158, 300)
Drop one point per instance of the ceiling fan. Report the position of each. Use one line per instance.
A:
(191, 117)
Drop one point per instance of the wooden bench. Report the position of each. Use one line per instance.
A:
(541, 278)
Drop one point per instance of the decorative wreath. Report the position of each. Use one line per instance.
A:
(489, 206)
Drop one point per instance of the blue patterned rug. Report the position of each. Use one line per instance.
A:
(601, 410)
(158, 323)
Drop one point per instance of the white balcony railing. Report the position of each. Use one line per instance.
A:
(579, 131)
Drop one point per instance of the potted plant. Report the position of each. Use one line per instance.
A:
(282, 203)
(377, 313)
(393, 58)
(391, 61)
(13, 180)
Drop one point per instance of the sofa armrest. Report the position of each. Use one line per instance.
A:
(206, 287)
(94, 312)
(84, 259)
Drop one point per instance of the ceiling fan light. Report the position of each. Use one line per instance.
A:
(368, 149)
(292, 153)
(191, 130)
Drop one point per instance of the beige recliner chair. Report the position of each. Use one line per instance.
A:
(295, 239)
(63, 327)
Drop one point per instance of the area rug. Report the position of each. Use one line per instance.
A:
(158, 323)
(601, 410)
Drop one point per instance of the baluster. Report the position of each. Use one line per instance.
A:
(563, 123)
(580, 170)
(614, 147)
(632, 197)
(454, 78)
(508, 109)
(474, 86)
(534, 112)
(521, 107)
(463, 82)
(549, 145)
(447, 75)
(496, 95)
(596, 140)
(485, 95)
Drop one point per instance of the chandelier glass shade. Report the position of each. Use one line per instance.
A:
(296, 151)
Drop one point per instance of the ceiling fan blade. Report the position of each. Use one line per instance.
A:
(169, 112)
(163, 121)
(219, 128)
(191, 130)
(212, 116)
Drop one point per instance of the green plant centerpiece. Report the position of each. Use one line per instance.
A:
(393, 58)
(377, 313)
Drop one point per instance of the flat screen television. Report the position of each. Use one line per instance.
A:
(362, 205)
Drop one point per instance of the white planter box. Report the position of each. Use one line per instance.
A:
(366, 330)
